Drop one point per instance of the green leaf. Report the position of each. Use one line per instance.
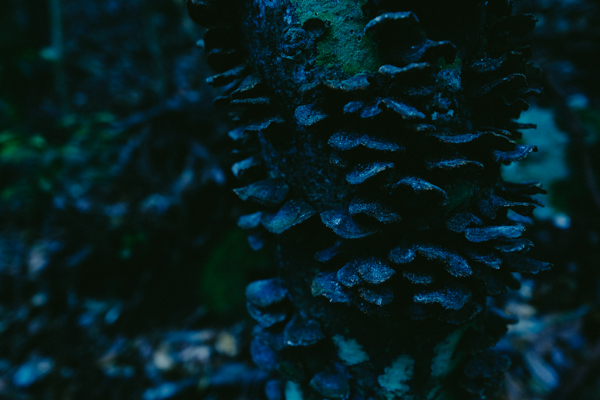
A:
(227, 271)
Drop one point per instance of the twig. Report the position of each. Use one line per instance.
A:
(155, 50)
(56, 37)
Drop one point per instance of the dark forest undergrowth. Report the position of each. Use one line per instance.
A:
(122, 270)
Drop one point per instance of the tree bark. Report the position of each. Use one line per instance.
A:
(372, 133)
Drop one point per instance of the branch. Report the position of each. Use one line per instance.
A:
(56, 37)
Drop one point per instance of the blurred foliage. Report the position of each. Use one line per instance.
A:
(118, 226)
(590, 119)
(40, 169)
(548, 165)
(568, 194)
(228, 269)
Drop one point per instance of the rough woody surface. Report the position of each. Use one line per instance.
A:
(371, 135)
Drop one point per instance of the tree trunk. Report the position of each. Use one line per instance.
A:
(372, 134)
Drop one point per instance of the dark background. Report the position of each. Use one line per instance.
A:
(122, 270)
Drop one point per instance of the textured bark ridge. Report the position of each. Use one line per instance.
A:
(371, 134)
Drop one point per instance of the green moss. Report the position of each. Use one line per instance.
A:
(345, 45)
